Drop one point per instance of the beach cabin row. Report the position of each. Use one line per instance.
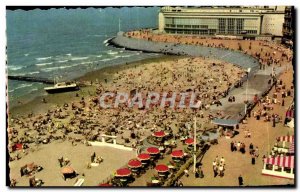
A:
(280, 166)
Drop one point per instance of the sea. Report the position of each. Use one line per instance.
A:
(63, 44)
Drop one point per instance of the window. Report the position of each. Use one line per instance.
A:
(287, 169)
(239, 25)
(277, 168)
(269, 167)
(251, 31)
(222, 24)
(230, 25)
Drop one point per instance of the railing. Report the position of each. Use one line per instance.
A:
(185, 166)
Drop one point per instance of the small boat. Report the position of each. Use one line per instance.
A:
(62, 87)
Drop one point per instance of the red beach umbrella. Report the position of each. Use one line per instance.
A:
(143, 157)
(18, 146)
(153, 150)
(124, 172)
(177, 154)
(162, 168)
(159, 134)
(105, 185)
(134, 164)
(189, 141)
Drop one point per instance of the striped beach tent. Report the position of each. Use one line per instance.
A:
(281, 161)
(292, 147)
(286, 138)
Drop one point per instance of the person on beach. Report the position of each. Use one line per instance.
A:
(240, 180)
(253, 159)
(232, 146)
(215, 171)
(201, 174)
(221, 170)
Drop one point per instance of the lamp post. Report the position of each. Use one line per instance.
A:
(274, 53)
(195, 158)
(195, 142)
(246, 102)
(268, 139)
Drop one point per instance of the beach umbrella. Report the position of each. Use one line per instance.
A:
(143, 157)
(124, 172)
(153, 150)
(189, 141)
(67, 170)
(134, 163)
(18, 146)
(159, 134)
(177, 154)
(105, 185)
(162, 168)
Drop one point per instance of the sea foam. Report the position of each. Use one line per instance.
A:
(43, 58)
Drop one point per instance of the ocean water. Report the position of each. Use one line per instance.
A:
(65, 44)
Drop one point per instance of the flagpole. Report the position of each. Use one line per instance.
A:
(246, 103)
(195, 124)
(268, 139)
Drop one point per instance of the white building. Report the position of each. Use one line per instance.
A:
(249, 21)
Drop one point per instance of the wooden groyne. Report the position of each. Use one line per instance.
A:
(31, 79)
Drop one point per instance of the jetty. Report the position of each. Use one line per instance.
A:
(31, 79)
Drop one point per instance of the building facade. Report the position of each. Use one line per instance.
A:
(267, 20)
(288, 26)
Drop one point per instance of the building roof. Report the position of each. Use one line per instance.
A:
(231, 9)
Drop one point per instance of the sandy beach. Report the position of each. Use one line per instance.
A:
(63, 125)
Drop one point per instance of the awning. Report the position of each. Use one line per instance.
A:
(225, 122)
(177, 154)
(143, 156)
(162, 168)
(292, 147)
(134, 164)
(125, 172)
(286, 138)
(282, 161)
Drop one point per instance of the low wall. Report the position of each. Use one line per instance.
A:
(104, 144)
(235, 57)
